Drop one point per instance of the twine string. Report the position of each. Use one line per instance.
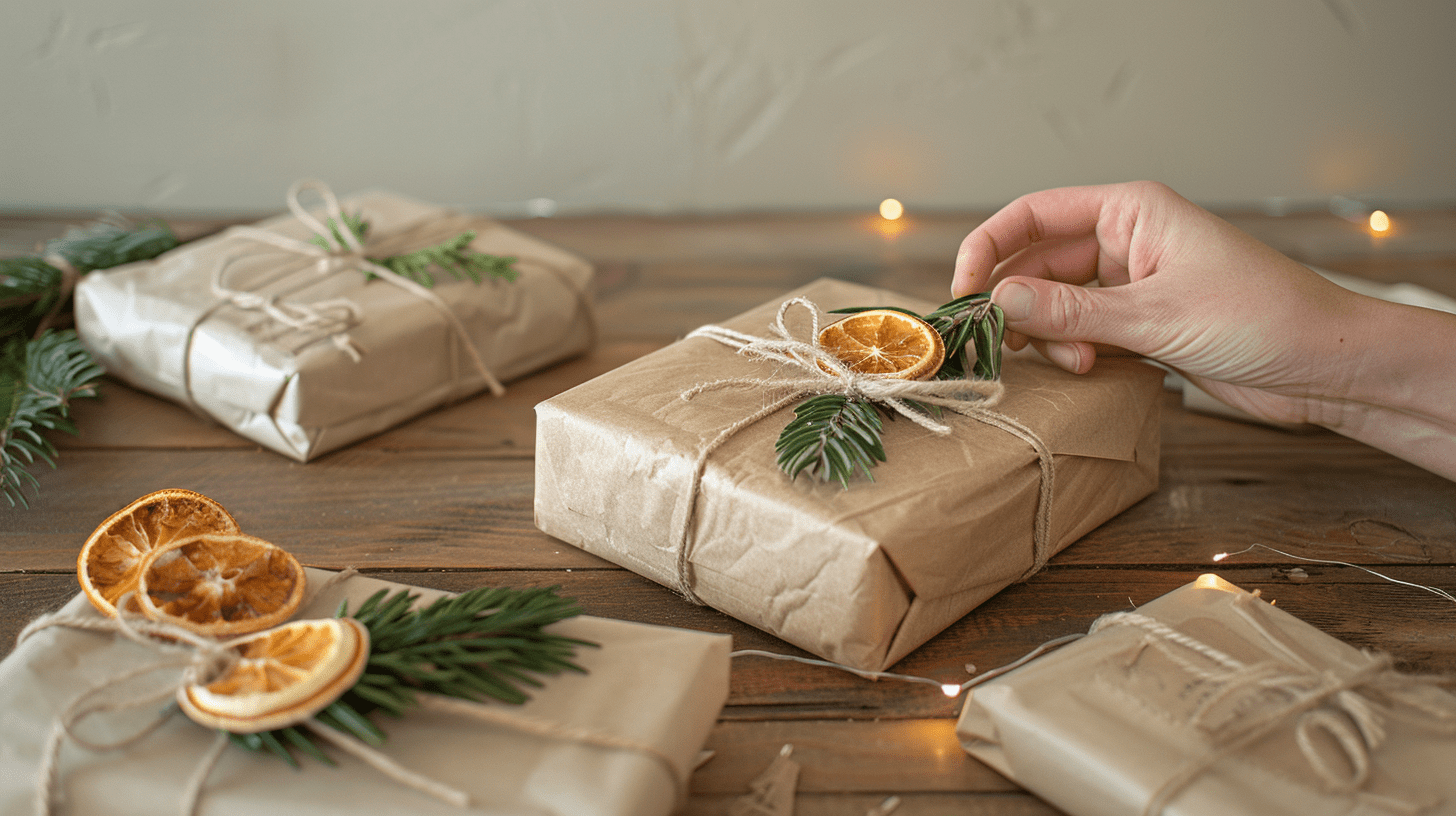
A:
(1320, 703)
(203, 660)
(816, 371)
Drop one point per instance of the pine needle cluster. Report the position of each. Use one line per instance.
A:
(483, 644)
(453, 256)
(831, 437)
(43, 369)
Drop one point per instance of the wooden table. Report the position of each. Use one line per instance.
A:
(445, 501)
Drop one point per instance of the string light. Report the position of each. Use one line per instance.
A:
(1433, 590)
(891, 209)
(951, 690)
(1379, 221)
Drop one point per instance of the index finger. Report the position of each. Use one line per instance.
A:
(1064, 212)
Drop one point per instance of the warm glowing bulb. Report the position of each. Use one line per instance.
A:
(1379, 221)
(890, 209)
(1220, 556)
(950, 689)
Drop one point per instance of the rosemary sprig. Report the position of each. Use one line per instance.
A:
(483, 644)
(453, 256)
(831, 436)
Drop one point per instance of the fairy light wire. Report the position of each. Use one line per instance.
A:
(948, 689)
(1433, 590)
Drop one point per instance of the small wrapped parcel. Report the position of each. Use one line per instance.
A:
(861, 575)
(1210, 701)
(305, 346)
(620, 739)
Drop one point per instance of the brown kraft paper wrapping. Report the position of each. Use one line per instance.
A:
(1210, 701)
(859, 576)
(162, 326)
(653, 686)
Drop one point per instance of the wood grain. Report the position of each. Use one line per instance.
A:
(445, 501)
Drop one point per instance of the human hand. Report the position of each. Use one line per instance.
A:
(1176, 284)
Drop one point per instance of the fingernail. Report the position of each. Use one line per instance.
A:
(1016, 300)
(1065, 356)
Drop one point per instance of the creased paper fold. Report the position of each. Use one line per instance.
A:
(163, 326)
(1210, 701)
(653, 685)
(859, 576)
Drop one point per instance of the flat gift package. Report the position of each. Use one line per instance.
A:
(652, 692)
(1210, 701)
(862, 575)
(305, 349)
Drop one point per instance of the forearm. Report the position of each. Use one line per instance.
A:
(1402, 397)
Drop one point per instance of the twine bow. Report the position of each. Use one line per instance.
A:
(204, 660)
(820, 372)
(1348, 707)
(817, 371)
(342, 251)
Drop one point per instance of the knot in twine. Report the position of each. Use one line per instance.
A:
(204, 660)
(342, 251)
(1348, 707)
(814, 371)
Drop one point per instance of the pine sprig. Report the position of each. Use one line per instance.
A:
(38, 380)
(29, 290)
(831, 436)
(41, 371)
(105, 244)
(453, 256)
(483, 644)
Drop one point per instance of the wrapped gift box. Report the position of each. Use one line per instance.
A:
(859, 576)
(649, 685)
(1210, 701)
(194, 325)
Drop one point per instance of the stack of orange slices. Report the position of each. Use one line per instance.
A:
(178, 557)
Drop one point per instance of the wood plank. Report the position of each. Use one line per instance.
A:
(358, 507)
(1413, 626)
(461, 506)
(848, 756)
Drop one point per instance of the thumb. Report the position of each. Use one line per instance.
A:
(1063, 320)
(1048, 310)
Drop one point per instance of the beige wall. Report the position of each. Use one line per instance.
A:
(711, 105)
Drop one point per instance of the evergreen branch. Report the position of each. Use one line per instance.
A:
(354, 221)
(38, 380)
(831, 436)
(42, 371)
(29, 289)
(105, 244)
(483, 644)
(453, 256)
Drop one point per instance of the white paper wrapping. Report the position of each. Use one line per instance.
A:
(1128, 716)
(162, 326)
(654, 685)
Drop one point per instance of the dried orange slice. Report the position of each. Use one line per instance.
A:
(283, 676)
(885, 343)
(220, 584)
(111, 558)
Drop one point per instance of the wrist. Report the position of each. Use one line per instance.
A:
(1398, 388)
